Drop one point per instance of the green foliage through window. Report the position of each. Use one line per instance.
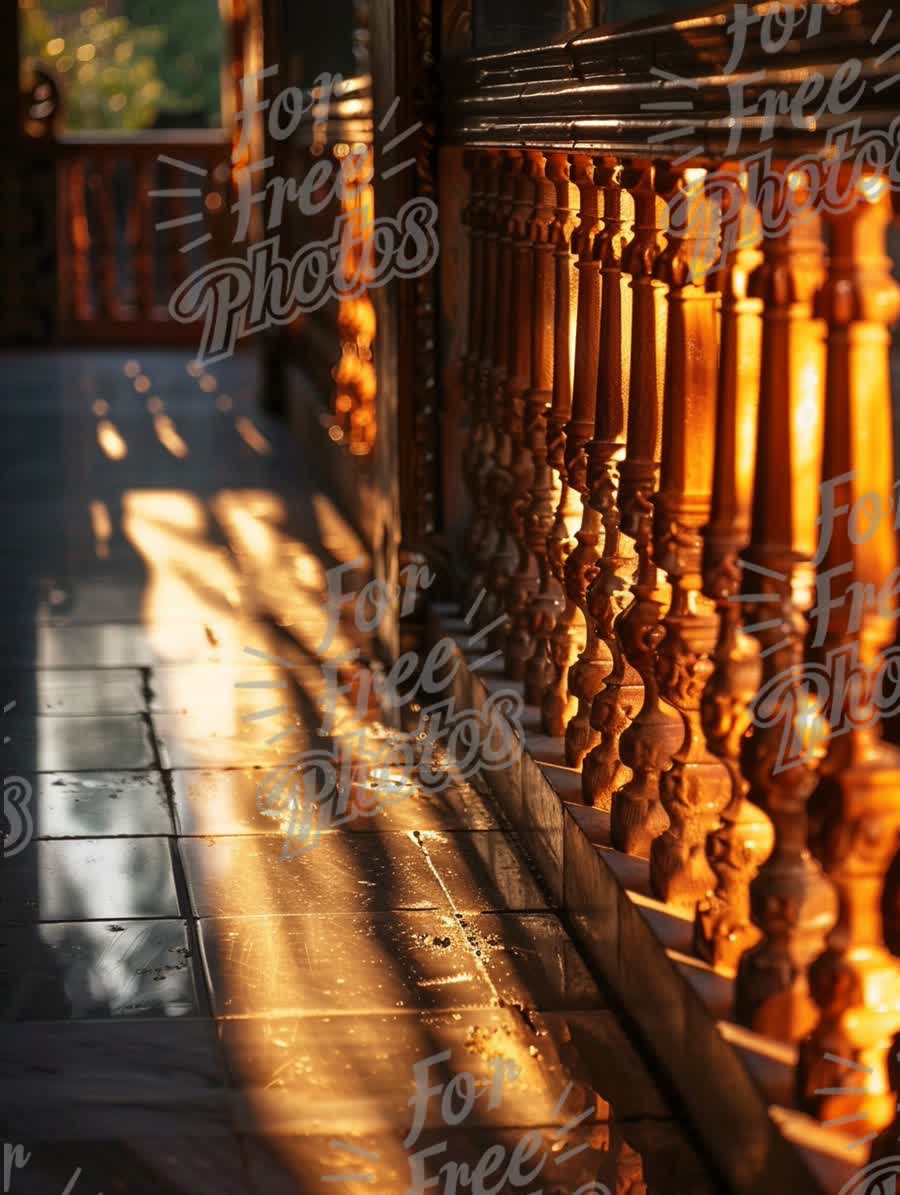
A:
(129, 64)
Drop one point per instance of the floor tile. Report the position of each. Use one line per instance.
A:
(75, 691)
(88, 880)
(111, 645)
(113, 1078)
(99, 804)
(356, 1074)
(236, 686)
(135, 1165)
(316, 1164)
(94, 969)
(224, 802)
(89, 744)
(530, 961)
(220, 803)
(482, 871)
(346, 873)
(203, 738)
(342, 963)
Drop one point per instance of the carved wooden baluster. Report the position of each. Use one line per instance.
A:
(474, 220)
(522, 580)
(602, 772)
(646, 747)
(530, 634)
(696, 789)
(723, 929)
(79, 231)
(566, 636)
(102, 180)
(856, 982)
(791, 900)
(582, 561)
(487, 441)
(142, 238)
(501, 554)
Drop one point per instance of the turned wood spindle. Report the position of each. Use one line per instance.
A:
(723, 929)
(695, 789)
(79, 244)
(582, 561)
(612, 708)
(791, 901)
(566, 633)
(856, 981)
(529, 639)
(528, 296)
(647, 745)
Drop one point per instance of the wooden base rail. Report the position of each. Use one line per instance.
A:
(648, 439)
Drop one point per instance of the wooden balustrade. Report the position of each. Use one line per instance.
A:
(138, 214)
(706, 393)
(624, 395)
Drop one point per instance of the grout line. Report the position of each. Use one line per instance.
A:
(182, 891)
(472, 945)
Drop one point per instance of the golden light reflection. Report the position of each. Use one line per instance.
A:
(286, 575)
(252, 436)
(112, 444)
(167, 434)
(338, 537)
(102, 528)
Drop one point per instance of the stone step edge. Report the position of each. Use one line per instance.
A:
(707, 1074)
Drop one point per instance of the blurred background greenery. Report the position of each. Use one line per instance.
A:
(129, 64)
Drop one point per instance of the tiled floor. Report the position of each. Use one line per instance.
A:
(186, 1009)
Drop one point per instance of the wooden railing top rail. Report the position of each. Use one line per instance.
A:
(591, 91)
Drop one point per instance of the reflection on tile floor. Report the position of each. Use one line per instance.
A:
(187, 1009)
(96, 969)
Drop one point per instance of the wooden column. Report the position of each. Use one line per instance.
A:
(566, 632)
(791, 900)
(856, 982)
(582, 562)
(696, 789)
(646, 746)
(723, 929)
